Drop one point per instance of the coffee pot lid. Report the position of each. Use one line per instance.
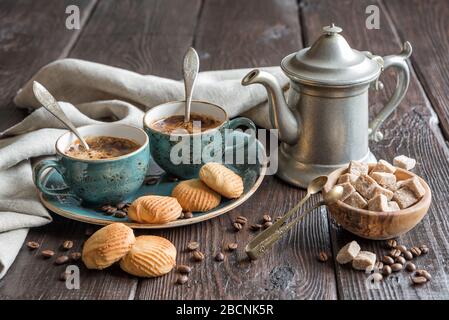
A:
(330, 61)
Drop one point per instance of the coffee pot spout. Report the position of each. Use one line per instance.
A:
(281, 116)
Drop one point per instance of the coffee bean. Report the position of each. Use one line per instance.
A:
(188, 215)
(266, 218)
(408, 255)
(322, 256)
(106, 207)
(391, 244)
(47, 253)
(386, 270)
(377, 277)
(121, 205)
(388, 260)
(400, 260)
(395, 267)
(394, 253)
(61, 260)
(232, 246)
(267, 224)
(182, 268)
(110, 211)
(237, 226)
(120, 214)
(424, 249)
(198, 256)
(182, 279)
(219, 257)
(401, 248)
(418, 280)
(75, 256)
(256, 227)
(415, 251)
(64, 276)
(193, 245)
(67, 245)
(410, 267)
(32, 245)
(423, 273)
(151, 180)
(242, 220)
(378, 266)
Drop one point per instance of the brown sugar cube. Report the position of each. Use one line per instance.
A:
(385, 179)
(378, 203)
(405, 198)
(364, 260)
(393, 206)
(348, 252)
(357, 168)
(414, 185)
(365, 186)
(356, 200)
(347, 177)
(404, 162)
(347, 190)
(380, 190)
(383, 166)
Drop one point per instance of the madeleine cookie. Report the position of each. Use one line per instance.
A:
(221, 179)
(107, 245)
(154, 209)
(151, 256)
(194, 195)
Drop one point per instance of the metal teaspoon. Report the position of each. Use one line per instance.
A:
(190, 71)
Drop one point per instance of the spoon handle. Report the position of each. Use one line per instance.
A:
(190, 71)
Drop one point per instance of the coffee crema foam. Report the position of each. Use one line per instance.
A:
(197, 123)
(102, 147)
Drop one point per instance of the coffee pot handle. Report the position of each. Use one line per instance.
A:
(402, 81)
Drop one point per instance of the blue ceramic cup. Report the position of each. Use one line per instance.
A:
(182, 154)
(102, 181)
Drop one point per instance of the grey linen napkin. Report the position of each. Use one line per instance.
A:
(94, 92)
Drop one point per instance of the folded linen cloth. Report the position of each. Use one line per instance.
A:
(94, 92)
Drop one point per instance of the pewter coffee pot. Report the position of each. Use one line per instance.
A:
(324, 123)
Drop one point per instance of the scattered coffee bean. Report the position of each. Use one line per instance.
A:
(415, 251)
(391, 244)
(388, 260)
(106, 207)
(378, 266)
(67, 245)
(47, 253)
(120, 214)
(237, 226)
(386, 270)
(394, 253)
(377, 277)
(267, 224)
(410, 267)
(322, 256)
(242, 220)
(151, 180)
(61, 260)
(408, 255)
(188, 215)
(182, 268)
(33, 245)
(219, 257)
(121, 205)
(395, 267)
(424, 249)
(193, 245)
(401, 248)
(64, 276)
(256, 227)
(418, 280)
(198, 256)
(400, 260)
(75, 256)
(182, 279)
(266, 218)
(423, 273)
(232, 246)
(110, 211)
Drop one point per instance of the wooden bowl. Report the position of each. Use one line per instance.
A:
(378, 225)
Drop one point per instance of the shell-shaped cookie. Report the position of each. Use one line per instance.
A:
(194, 195)
(151, 256)
(107, 245)
(221, 179)
(154, 209)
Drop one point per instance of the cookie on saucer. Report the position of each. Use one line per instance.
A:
(221, 179)
(154, 209)
(194, 195)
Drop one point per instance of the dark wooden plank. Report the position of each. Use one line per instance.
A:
(411, 130)
(233, 35)
(425, 24)
(31, 36)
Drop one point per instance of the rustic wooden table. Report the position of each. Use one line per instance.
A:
(150, 37)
